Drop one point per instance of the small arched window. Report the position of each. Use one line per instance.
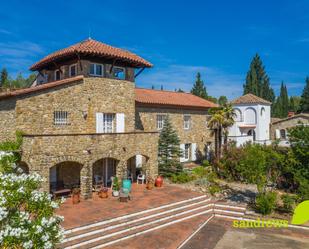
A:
(263, 112)
(283, 134)
(250, 116)
(238, 115)
(251, 133)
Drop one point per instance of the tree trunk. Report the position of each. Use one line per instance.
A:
(219, 141)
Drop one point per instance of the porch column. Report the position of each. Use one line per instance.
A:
(41, 167)
(86, 181)
(121, 169)
(151, 167)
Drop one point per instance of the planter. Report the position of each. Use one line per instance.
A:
(75, 198)
(115, 193)
(103, 193)
(149, 186)
(159, 181)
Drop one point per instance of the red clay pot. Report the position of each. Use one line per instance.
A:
(159, 181)
(75, 198)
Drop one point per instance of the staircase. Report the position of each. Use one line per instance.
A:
(108, 232)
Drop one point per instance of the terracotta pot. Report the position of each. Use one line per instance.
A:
(159, 181)
(75, 198)
(149, 186)
(103, 194)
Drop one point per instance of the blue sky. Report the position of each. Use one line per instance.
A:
(217, 38)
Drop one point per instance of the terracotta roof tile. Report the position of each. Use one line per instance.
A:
(169, 98)
(40, 87)
(95, 48)
(250, 99)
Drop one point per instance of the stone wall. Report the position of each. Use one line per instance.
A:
(146, 120)
(7, 119)
(41, 153)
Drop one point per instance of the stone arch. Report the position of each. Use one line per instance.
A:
(250, 116)
(61, 159)
(24, 166)
(65, 174)
(238, 115)
(104, 169)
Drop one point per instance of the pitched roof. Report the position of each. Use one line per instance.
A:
(94, 48)
(169, 98)
(250, 99)
(300, 115)
(40, 87)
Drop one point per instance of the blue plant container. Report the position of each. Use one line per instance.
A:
(127, 184)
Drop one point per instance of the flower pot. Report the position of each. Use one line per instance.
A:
(75, 198)
(149, 186)
(103, 194)
(115, 193)
(159, 181)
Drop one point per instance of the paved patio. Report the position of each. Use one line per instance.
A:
(97, 209)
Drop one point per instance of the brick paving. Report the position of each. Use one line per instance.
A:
(97, 209)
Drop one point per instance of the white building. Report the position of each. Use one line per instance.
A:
(252, 120)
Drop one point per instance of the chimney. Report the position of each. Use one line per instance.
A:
(291, 114)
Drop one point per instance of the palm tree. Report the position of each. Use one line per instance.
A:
(221, 120)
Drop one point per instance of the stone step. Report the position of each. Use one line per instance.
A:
(140, 222)
(133, 215)
(135, 219)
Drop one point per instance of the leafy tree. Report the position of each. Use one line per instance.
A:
(169, 150)
(304, 102)
(299, 139)
(4, 78)
(27, 218)
(222, 100)
(257, 81)
(199, 88)
(228, 121)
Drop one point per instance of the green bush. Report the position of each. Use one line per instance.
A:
(266, 202)
(200, 172)
(182, 177)
(214, 188)
(288, 202)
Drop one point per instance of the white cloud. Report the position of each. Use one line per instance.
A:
(4, 31)
(173, 77)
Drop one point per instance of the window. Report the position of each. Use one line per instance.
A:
(160, 121)
(282, 134)
(108, 122)
(119, 73)
(238, 115)
(96, 69)
(186, 122)
(60, 118)
(57, 74)
(73, 70)
(187, 151)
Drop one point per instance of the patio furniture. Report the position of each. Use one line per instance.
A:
(61, 192)
(141, 178)
(98, 183)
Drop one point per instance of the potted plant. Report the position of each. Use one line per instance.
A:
(115, 187)
(149, 183)
(75, 195)
(103, 192)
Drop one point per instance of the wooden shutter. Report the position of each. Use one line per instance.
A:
(139, 161)
(193, 152)
(120, 122)
(99, 122)
(182, 157)
(277, 134)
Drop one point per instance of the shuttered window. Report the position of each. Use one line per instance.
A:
(108, 120)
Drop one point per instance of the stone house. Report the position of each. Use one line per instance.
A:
(83, 119)
(279, 127)
(252, 120)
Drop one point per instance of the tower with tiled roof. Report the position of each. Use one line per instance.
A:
(252, 120)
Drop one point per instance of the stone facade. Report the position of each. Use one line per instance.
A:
(198, 133)
(7, 119)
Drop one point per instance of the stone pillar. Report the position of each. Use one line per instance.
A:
(86, 181)
(121, 169)
(151, 168)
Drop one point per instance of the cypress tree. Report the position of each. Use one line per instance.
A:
(257, 81)
(199, 88)
(304, 101)
(282, 105)
(4, 78)
(169, 150)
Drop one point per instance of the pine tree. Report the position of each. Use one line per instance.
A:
(304, 101)
(199, 88)
(294, 104)
(4, 78)
(257, 81)
(169, 150)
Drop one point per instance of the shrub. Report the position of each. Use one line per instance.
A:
(288, 203)
(182, 177)
(266, 202)
(200, 172)
(214, 188)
